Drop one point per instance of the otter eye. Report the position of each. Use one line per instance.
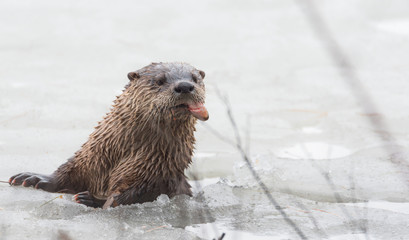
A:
(194, 77)
(160, 79)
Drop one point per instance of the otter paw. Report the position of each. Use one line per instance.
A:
(26, 179)
(87, 199)
(38, 181)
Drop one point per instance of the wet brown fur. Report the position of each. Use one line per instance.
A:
(142, 146)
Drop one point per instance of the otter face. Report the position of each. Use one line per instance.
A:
(178, 88)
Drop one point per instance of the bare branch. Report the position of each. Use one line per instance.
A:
(266, 191)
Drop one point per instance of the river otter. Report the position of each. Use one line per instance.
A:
(142, 146)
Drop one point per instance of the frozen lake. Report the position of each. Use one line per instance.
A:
(308, 134)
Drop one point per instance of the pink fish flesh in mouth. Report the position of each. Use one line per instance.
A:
(199, 111)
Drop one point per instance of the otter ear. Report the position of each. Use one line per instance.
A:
(202, 74)
(133, 76)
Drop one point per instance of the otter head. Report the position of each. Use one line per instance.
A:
(176, 88)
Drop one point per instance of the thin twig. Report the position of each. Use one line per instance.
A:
(4, 182)
(156, 228)
(217, 134)
(349, 75)
(347, 72)
(331, 183)
(221, 237)
(318, 229)
(247, 146)
(266, 191)
(50, 200)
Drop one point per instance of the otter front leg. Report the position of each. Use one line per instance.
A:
(59, 181)
(39, 181)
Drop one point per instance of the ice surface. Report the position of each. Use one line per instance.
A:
(307, 133)
(314, 150)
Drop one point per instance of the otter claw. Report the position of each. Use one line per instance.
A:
(87, 199)
(75, 198)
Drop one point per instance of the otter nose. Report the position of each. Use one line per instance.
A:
(184, 87)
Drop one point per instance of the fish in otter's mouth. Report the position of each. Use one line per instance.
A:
(198, 110)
